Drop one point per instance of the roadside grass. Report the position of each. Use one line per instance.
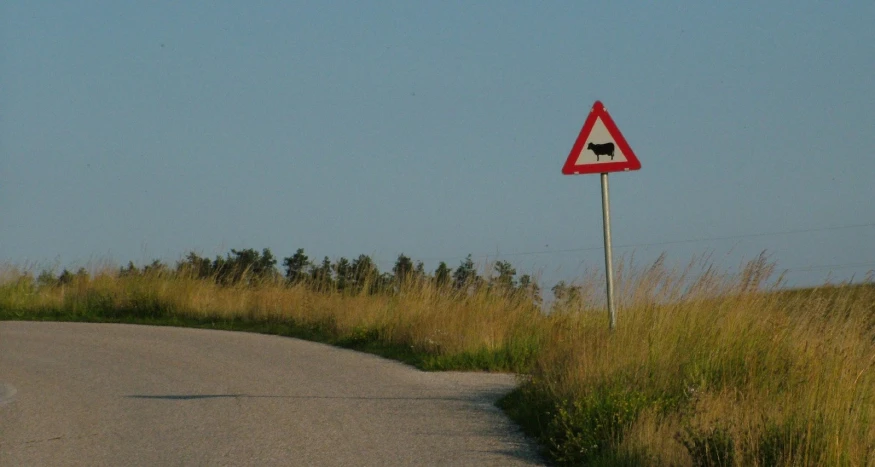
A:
(705, 368)
(712, 371)
(433, 328)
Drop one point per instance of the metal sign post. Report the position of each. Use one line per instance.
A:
(600, 148)
(609, 265)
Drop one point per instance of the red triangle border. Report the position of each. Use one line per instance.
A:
(599, 111)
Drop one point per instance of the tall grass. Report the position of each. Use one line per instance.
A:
(705, 367)
(709, 369)
(435, 327)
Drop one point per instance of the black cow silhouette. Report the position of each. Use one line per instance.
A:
(606, 149)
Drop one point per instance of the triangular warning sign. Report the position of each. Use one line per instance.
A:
(600, 147)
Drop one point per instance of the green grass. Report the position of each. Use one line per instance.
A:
(704, 368)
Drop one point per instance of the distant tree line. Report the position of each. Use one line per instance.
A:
(249, 267)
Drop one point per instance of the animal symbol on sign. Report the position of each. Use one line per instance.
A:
(606, 149)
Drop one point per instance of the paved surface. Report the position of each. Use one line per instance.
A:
(107, 394)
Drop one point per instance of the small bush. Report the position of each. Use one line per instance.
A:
(791, 442)
(46, 278)
(589, 427)
(710, 448)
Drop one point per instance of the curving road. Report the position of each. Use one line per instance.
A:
(109, 394)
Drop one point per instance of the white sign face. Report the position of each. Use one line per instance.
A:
(600, 147)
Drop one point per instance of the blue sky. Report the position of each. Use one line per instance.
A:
(141, 130)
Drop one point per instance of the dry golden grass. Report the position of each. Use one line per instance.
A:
(704, 368)
(720, 372)
(420, 315)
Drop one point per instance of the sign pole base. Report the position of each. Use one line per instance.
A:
(609, 265)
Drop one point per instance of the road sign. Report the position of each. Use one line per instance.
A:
(600, 147)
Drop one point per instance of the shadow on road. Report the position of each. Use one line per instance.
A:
(185, 397)
(520, 453)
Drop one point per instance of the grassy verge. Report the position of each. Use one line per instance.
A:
(704, 369)
(433, 328)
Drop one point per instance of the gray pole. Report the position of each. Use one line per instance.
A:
(609, 266)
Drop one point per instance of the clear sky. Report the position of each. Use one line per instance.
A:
(140, 130)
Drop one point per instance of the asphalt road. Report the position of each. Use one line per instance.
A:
(108, 394)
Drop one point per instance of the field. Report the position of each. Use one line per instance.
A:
(705, 367)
